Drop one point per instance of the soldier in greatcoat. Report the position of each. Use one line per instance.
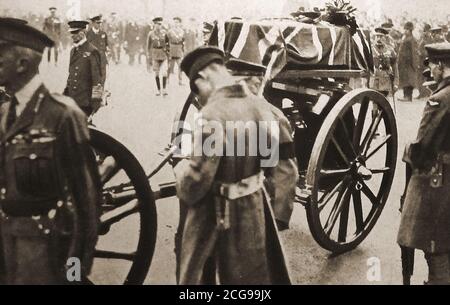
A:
(425, 222)
(229, 234)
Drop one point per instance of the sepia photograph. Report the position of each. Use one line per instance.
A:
(224, 143)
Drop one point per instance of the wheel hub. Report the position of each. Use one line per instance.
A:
(363, 172)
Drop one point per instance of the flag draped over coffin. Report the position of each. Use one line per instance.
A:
(286, 44)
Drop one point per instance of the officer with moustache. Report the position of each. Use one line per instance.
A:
(49, 184)
(85, 80)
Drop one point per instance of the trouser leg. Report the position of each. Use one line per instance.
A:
(27, 256)
(438, 268)
(56, 54)
(408, 93)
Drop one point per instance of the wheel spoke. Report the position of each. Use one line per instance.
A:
(378, 147)
(357, 205)
(343, 223)
(336, 211)
(380, 170)
(368, 192)
(360, 123)
(339, 149)
(108, 169)
(116, 215)
(371, 132)
(334, 172)
(114, 255)
(327, 197)
(347, 137)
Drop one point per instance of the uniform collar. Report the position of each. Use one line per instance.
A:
(239, 90)
(25, 94)
(444, 83)
(80, 43)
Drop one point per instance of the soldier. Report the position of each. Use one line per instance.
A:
(49, 184)
(408, 63)
(425, 223)
(191, 36)
(99, 39)
(436, 35)
(426, 39)
(132, 41)
(157, 54)
(85, 74)
(52, 28)
(115, 35)
(176, 47)
(384, 60)
(229, 232)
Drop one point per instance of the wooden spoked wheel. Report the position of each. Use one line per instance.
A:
(128, 225)
(351, 170)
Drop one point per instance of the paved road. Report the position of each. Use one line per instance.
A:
(142, 121)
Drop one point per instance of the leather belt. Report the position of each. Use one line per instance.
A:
(243, 188)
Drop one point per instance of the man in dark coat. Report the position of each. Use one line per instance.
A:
(49, 184)
(229, 234)
(132, 41)
(408, 63)
(425, 222)
(52, 28)
(85, 72)
(99, 39)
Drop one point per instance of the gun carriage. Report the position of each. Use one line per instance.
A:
(345, 137)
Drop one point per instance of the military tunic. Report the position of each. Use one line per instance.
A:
(48, 182)
(176, 42)
(425, 222)
(100, 41)
(384, 61)
(84, 74)
(249, 252)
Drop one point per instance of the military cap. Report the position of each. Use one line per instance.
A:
(199, 59)
(176, 19)
(381, 31)
(17, 32)
(436, 30)
(97, 18)
(387, 25)
(158, 19)
(438, 51)
(409, 26)
(52, 8)
(245, 68)
(77, 25)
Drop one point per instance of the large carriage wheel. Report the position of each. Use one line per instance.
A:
(351, 169)
(128, 205)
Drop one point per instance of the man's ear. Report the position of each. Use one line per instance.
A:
(23, 65)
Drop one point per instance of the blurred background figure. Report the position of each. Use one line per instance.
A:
(408, 63)
(132, 41)
(99, 39)
(114, 30)
(52, 28)
(157, 54)
(176, 47)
